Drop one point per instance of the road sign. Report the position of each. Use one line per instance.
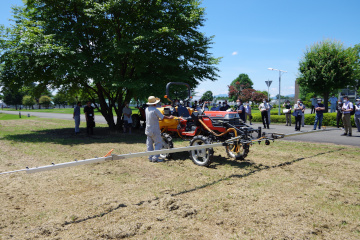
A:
(268, 83)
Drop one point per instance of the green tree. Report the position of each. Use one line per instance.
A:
(113, 50)
(45, 101)
(208, 96)
(28, 101)
(326, 67)
(243, 81)
(60, 99)
(12, 96)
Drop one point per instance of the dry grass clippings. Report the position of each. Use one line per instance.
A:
(287, 190)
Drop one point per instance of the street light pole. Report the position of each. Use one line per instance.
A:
(280, 72)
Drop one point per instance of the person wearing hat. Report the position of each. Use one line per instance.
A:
(347, 107)
(152, 129)
(357, 114)
(319, 109)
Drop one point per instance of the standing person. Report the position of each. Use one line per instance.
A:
(239, 108)
(313, 103)
(319, 108)
(152, 130)
(214, 107)
(298, 114)
(225, 106)
(269, 112)
(76, 117)
(339, 113)
(90, 118)
(248, 112)
(127, 112)
(303, 114)
(287, 106)
(194, 106)
(357, 114)
(333, 101)
(264, 108)
(205, 106)
(347, 107)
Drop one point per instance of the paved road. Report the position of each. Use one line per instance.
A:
(331, 135)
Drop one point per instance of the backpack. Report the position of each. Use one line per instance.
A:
(353, 110)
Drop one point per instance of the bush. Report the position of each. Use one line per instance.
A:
(328, 120)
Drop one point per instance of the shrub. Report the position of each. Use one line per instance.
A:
(328, 120)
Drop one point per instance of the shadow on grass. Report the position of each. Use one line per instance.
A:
(219, 159)
(257, 168)
(67, 136)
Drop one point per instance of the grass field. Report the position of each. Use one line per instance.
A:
(288, 190)
(4, 116)
(62, 110)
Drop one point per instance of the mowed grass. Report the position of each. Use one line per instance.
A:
(63, 110)
(288, 190)
(4, 116)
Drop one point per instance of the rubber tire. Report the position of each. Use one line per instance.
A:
(237, 156)
(167, 144)
(209, 152)
(135, 121)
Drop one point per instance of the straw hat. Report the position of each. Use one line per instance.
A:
(153, 100)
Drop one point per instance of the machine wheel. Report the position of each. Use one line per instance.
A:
(201, 157)
(135, 121)
(166, 144)
(237, 151)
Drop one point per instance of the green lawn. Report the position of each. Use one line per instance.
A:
(4, 116)
(62, 110)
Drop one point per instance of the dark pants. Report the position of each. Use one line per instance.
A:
(318, 119)
(265, 118)
(90, 127)
(298, 122)
(312, 109)
(338, 118)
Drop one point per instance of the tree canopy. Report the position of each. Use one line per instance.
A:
(207, 96)
(327, 66)
(113, 50)
(243, 81)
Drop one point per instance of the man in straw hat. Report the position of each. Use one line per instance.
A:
(152, 129)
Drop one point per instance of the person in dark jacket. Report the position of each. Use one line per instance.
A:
(90, 118)
(319, 110)
(339, 113)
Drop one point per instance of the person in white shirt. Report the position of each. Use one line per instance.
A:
(347, 107)
(264, 108)
(298, 107)
(357, 114)
(152, 130)
(248, 111)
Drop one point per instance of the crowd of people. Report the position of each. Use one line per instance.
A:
(344, 108)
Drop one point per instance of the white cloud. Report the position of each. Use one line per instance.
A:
(234, 53)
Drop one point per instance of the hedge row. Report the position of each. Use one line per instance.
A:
(328, 120)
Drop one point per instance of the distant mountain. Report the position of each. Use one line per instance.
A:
(290, 95)
(220, 95)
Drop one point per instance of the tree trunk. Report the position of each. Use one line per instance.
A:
(326, 101)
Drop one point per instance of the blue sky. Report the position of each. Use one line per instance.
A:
(252, 36)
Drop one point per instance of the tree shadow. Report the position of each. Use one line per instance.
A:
(67, 136)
